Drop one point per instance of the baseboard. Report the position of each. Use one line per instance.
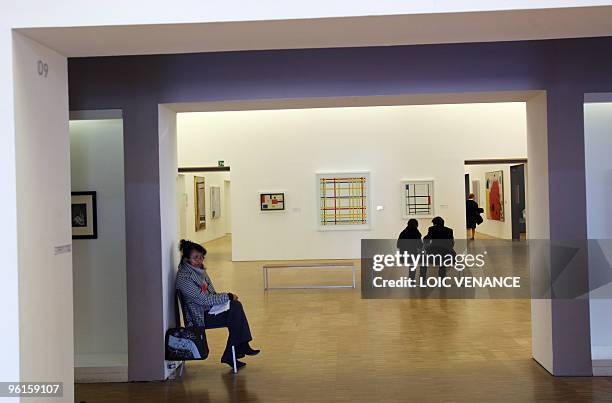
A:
(602, 369)
(602, 360)
(100, 368)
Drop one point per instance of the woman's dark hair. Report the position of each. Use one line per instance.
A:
(438, 221)
(413, 223)
(186, 247)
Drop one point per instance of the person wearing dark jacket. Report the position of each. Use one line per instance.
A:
(410, 241)
(440, 242)
(472, 215)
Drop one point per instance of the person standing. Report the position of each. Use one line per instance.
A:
(472, 215)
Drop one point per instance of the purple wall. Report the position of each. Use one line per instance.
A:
(566, 69)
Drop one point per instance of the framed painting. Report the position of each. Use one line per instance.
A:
(343, 201)
(494, 189)
(215, 202)
(417, 198)
(199, 202)
(271, 201)
(84, 215)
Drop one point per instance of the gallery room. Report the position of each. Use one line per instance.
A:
(205, 208)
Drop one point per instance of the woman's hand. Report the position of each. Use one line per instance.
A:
(235, 297)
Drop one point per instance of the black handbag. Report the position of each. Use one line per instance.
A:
(185, 343)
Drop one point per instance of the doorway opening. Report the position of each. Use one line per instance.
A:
(204, 201)
(518, 204)
(99, 267)
(598, 169)
(499, 187)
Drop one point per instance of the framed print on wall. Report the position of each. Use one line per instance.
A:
(343, 201)
(271, 201)
(417, 198)
(84, 215)
(215, 202)
(494, 189)
(199, 202)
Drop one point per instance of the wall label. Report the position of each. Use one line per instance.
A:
(43, 68)
(60, 250)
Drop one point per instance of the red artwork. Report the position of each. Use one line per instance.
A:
(495, 195)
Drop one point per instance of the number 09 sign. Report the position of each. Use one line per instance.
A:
(42, 68)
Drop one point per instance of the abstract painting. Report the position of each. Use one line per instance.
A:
(199, 202)
(344, 200)
(272, 201)
(215, 202)
(417, 198)
(84, 215)
(495, 195)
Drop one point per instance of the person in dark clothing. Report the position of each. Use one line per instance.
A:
(440, 243)
(472, 215)
(199, 296)
(410, 241)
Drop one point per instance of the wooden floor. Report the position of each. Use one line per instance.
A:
(332, 346)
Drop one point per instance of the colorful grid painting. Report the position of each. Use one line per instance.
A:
(343, 200)
(272, 201)
(418, 198)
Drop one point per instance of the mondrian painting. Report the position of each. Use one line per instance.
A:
(344, 200)
(418, 199)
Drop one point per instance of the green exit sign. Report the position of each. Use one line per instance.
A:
(221, 163)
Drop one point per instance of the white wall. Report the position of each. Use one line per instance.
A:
(9, 286)
(99, 265)
(494, 228)
(598, 143)
(169, 221)
(538, 225)
(215, 228)
(598, 164)
(43, 219)
(283, 149)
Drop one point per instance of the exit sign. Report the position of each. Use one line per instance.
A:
(221, 163)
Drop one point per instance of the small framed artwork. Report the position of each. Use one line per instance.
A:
(417, 198)
(199, 191)
(84, 215)
(272, 201)
(215, 202)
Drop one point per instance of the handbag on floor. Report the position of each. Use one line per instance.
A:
(185, 343)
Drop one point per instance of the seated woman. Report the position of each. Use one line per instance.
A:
(199, 295)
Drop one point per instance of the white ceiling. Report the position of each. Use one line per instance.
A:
(486, 26)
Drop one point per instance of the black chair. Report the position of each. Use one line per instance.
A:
(180, 319)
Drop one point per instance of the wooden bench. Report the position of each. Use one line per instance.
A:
(312, 265)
